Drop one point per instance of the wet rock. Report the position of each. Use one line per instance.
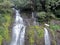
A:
(58, 37)
(4, 42)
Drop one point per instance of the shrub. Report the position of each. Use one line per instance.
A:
(45, 16)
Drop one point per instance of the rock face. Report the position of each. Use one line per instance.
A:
(5, 42)
(55, 22)
(54, 33)
(58, 37)
(31, 35)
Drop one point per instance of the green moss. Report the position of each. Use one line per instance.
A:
(40, 31)
(4, 27)
(1, 39)
(53, 42)
(53, 36)
(31, 40)
(5, 20)
(31, 36)
(53, 32)
(35, 30)
(55, 27)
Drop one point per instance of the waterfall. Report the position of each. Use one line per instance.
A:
(46, 36)
(34, 19)
(18, 31)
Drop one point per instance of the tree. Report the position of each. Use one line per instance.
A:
(20, 3)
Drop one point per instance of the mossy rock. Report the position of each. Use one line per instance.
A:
(1, 38)
(35, 34)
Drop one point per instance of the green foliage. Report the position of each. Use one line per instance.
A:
(2, 19)
(5, 7)
(40, 31)
(31, 36)
(55, 27)
(35, 31)
(57, 12)
(1, 39)
(53, 42)
(45, 16)
(39, 5)
(5, 23)
(5, 19)
(1, 31)
(6, 3)
(53, 6)
(20, 3)
(41, 16)
(31, 39)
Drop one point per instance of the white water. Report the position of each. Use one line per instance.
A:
(34, 22)
(18, 31)
(47, 38)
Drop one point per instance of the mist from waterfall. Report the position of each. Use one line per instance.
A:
(18, 31)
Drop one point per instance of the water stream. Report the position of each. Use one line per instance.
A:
(18, 31)
(34, 19)
(47, 37)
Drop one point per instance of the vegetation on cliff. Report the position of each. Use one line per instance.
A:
(5, 20)
(35, 35)
(46, 10)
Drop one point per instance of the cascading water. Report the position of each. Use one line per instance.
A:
(46, 36)
(33, 18)
(18, 31)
